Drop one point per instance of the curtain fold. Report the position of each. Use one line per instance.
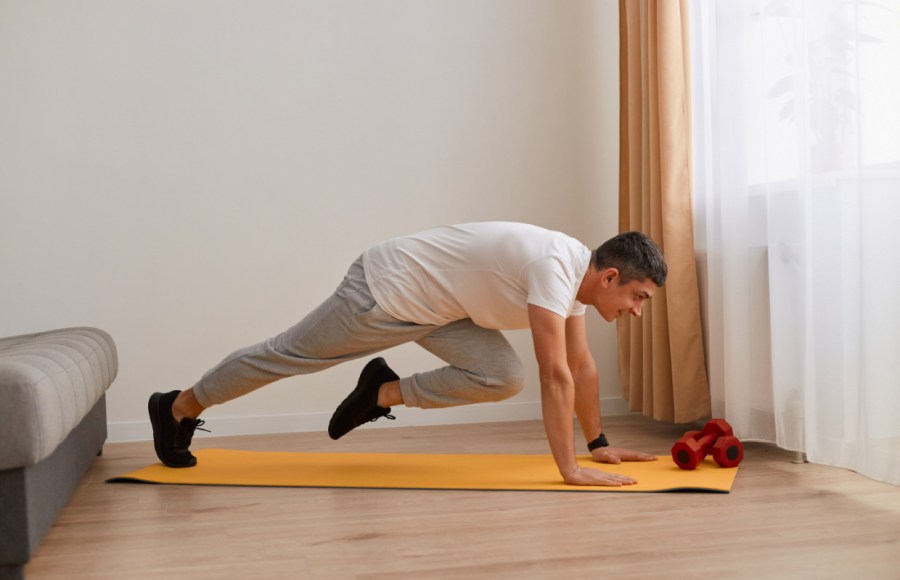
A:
(661, 357)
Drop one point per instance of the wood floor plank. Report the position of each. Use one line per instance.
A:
(781, 520)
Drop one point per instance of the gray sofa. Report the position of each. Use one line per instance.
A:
(52, 424)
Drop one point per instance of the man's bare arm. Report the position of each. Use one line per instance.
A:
(584, 372)
(548, 331)
(587, 394)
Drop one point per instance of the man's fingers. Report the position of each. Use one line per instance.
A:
(585, 476)
(618, 480)
(624, 479)
(615, 455)
(636, 456)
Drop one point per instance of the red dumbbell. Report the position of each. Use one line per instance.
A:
(716, 438)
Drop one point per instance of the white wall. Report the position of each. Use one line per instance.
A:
(194, 176)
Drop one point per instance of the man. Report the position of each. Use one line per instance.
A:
(451, 290)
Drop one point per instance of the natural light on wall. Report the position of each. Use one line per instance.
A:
(797, 201)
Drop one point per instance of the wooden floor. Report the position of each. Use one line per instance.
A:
(781, 520)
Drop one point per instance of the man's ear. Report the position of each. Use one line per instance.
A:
(608, 276)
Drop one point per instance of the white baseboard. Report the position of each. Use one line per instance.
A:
(120, 432)
(614, 406)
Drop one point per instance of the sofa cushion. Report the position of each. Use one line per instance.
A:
(48, 383)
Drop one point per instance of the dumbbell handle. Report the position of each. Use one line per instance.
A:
(706, 442)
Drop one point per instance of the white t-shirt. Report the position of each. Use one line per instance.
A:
(488, 272)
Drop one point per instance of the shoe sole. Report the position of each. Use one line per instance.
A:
(156, 423)
(367, 375)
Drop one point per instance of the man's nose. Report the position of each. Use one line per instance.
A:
(636, 310)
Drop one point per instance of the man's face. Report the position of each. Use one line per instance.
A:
(613, 300)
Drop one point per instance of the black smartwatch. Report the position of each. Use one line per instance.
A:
(598, 443)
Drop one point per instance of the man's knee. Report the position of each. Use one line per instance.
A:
(507, 379)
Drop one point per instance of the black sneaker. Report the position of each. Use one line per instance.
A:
(361, 406)
(171, 439)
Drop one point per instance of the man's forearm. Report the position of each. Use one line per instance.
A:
(587, 402)
(557, 402)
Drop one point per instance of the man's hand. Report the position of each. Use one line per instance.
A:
(586, 476)
(617, 455)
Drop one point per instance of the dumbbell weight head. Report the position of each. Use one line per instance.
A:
(718, 428)
(728, 451)
(687, 451)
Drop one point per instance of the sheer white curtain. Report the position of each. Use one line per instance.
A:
(797, 182)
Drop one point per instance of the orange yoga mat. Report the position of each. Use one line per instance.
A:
(421, 471)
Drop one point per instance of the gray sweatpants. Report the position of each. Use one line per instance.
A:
(349, 325)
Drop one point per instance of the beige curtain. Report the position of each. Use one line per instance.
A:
(661, 359)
